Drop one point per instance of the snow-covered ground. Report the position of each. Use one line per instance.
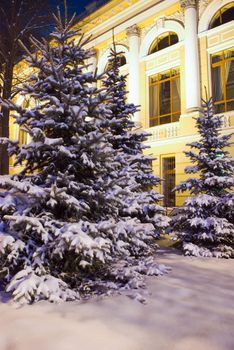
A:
(191, 308)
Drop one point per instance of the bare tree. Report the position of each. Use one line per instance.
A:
(19, 19)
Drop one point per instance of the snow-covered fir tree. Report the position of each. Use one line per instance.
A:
(142, 199)
(61, 233)
(205, 223)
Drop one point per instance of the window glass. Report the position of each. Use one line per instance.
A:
(228, 14)
(164, 40)
(223, 80)
(219, 107)
(165, 120)
(163, 76)
(217, 83)
(154, 102)
(229, 77)
(175, 95)
(230, 106)
(168, 175)
(216, 58)
(175, 117)
(121, 59)
(164, 97)
(223, 15)
(229, 53)
(154, 79)
(175, 71)
(174, 39)
(216, 20)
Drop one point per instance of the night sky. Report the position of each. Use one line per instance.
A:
(77, 6)
(74, 6)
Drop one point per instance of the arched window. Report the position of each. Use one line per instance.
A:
(121, 59)
(223, 15)
(164, 40)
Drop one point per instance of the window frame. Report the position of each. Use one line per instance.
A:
(221, 64)
(122, 65)
(171, 114)
(157, 40)
(164, 157)
(219, 14)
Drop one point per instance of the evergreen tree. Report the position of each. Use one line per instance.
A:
(205, 223)
(142, 199)
(61, 233)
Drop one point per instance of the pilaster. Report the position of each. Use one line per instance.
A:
(185, 4)
(192, 68)
(133, 34)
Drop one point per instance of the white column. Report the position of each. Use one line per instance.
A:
(192, 69)
(133, 34)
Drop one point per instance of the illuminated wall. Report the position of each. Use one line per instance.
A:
(141, 30)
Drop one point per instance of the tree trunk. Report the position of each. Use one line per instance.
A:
(4, 123)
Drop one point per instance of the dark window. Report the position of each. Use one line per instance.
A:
(164, 40)
(164, 97)
(168, 175)
(121, 59)
(222, 67)
(223, 15)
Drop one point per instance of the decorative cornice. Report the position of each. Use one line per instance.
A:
(177, 16)
(185, 4)
(123, 41)
(103, 14)
(145, 30)
(202, 6)
(133, 30)
(160, 23)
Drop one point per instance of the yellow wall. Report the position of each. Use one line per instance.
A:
(167, 139)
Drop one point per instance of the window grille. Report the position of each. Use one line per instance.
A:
(164, 97)
(223, 15)
(168, 174)
(164, 40)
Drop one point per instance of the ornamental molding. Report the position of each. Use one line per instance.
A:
(185, 4)
(161, 22)
(207, 11)
(202, 6)
(177, 16)
(104, 53)
(146, 29)
(123, 42)
(133, 31)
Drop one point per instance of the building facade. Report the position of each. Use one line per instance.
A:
(174, 52)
